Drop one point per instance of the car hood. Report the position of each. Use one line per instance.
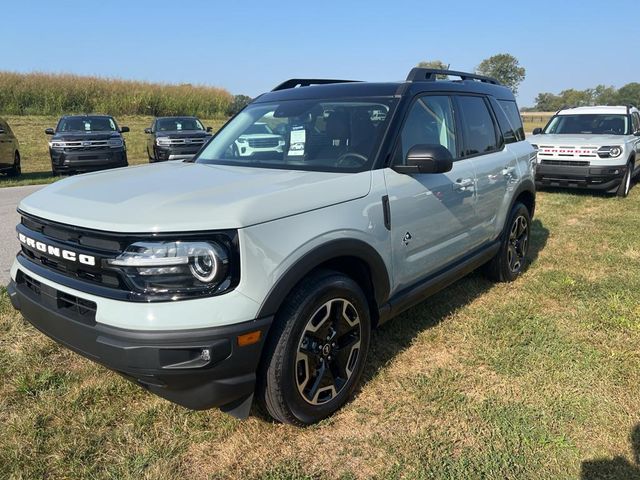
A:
(577, 140)
(183, 196)
(77, 136)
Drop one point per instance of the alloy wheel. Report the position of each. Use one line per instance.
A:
(328, 351)
(518, 243)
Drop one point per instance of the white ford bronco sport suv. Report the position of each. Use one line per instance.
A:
(217, 279)
(589, 147)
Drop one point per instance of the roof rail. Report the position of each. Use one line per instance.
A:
(305, 82)
(418, 74)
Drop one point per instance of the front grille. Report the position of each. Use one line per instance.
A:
(185, 141)
(96, 244)
(86, 144)
(263, 142)
(566, 163)
(71, 306)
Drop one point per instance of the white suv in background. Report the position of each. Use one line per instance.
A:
(589, 147)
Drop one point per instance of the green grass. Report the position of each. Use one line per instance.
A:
(535, 379)
(34, 149)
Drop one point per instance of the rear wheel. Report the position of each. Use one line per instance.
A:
(16, 170)
(625, 185)
(316, 351)
(511, 258)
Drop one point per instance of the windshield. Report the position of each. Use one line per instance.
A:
(598, 124)
(87, 124)
(177, 124)
(322, 135)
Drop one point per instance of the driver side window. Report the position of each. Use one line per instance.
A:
(429, 122)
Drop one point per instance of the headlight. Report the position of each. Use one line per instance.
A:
(163, 141)
(241, 140)
(535, 147)
(190, 267)
(615, 152)
(610, 151)
(115, 143)
(56, 144)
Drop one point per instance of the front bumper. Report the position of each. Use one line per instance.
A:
(590, 177)
(196, 368)
(162, 154)
(66, 161)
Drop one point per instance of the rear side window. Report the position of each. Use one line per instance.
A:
(513, 114)
(479, 129)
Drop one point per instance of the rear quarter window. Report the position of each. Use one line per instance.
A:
(513, 114)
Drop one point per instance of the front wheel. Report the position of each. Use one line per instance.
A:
(625, 185)
(317, 349)
(511, 258)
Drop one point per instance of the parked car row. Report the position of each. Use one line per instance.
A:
(89, 143)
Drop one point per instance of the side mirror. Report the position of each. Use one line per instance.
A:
(426, 158)
(147, 130)
(49, 131)
(637, 133)
(209, 129)
(537, 131)
(124, 129)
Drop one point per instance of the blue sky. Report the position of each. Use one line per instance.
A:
(248, 47)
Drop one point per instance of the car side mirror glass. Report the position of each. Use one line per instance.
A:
(426, 158)
(147, 130)
(49, 131)
(537, 131)
(124, 129)
(209, 129)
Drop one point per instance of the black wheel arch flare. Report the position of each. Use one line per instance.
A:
(323, 254)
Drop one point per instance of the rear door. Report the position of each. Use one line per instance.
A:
(432, 215)
(495, 166)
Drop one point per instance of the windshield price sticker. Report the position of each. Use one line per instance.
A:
(297, 140)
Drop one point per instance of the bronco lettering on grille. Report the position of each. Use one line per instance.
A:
(57, 252)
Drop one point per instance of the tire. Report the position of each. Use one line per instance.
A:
(151, 159)
(625, 185)
(511, 258)
(311, 341)
(16, 170)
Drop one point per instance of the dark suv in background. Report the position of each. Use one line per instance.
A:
(86, 143)
(175, 138)
(9, 154)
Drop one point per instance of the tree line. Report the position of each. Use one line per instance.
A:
(506, 68)
(599, 95)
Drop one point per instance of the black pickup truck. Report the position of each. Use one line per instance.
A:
(86, 143)
(175, 138)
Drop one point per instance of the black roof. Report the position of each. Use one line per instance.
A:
(419, 80)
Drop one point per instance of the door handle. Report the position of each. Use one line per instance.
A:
(508, 171)
(463, 183)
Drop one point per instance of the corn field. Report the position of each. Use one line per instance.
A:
(55, 94)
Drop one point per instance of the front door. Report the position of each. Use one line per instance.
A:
(432, 215)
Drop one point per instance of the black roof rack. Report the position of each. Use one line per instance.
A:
(305, 82)
(418, 74)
